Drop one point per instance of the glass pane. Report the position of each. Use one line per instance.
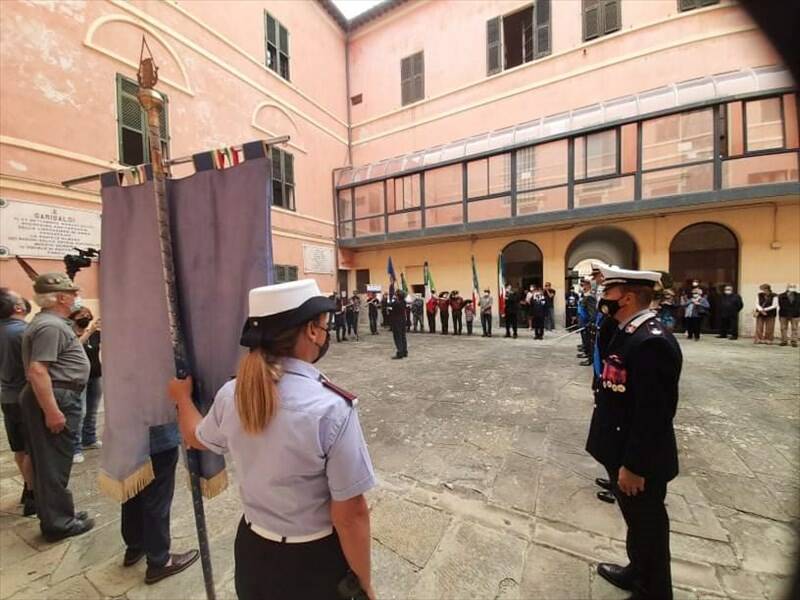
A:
(478, 178)
(394, 199)
(484, 210)
(676, 139)
(764, 124)
(346, 229)
(345, 205)
(276, 164)
(580, 158)
(284, 68)
(405, 221)
(277, 193)
(542, 201)
(758, 170)
(628, 142)
(499, 173)
(443, 185)
(601, 153)
(608, 191)
(444, 215)
(132, 147)
(372, 226)
(735, 128)
(683, 180)
(411, 191)
(550, 164)
(369, 199)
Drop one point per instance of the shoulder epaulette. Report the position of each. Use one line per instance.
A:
(350, 398)
(639, 321)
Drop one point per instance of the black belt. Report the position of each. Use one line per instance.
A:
(69, 385)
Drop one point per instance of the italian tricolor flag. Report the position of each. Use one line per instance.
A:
(476, 290)
(501, 285)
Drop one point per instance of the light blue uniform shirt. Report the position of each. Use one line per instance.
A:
(311, 451)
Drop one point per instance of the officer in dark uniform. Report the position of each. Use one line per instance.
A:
(571, 302)
(444, 310)
(397, 319)
(631, 433)
(373, 304)
(512, 310)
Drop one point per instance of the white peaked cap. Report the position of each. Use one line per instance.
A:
(617, 276)
(276, 308)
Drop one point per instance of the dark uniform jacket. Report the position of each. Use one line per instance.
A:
(397, 312)
(789, 305)
(512, 303)
(635, 401)
(729, 305)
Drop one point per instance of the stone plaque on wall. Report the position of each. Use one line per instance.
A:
(39, 231)
(318, 259)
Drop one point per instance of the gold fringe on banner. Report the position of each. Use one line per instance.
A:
(124, 490)
(214, 486)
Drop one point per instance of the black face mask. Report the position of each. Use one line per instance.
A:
(83, 322)
(608, 307)
(323, 349)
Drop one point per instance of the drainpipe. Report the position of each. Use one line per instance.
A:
(349, 162)
(347, 85)
(775, 244)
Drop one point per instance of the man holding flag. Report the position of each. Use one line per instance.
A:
(431, 303)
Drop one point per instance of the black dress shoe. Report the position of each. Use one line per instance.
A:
(606, 496)
(177, 563)
(132, 556)
(586, 363)
(603, 483)
(396, 356)
(622, 577)
(78, 527)
(581, 355)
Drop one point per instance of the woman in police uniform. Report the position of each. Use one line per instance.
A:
(299, 451)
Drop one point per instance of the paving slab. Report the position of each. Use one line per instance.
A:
(552, 574)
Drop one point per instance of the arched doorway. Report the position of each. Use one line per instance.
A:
(709, 253)
(608, 244)
(522, 261)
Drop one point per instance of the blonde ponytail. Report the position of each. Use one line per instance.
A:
(256, 390)
(257, 382)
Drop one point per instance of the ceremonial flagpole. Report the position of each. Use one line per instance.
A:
(153, 104)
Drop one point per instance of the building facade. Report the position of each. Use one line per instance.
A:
(659, 134)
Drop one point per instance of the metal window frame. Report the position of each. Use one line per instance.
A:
(277, 45)
(717, 106)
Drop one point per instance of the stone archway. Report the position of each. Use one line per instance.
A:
(707, 252)
(523, 264)
(611, 245)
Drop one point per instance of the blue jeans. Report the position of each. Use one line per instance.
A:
(86, 434)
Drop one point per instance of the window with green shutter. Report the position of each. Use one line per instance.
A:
(276, 42)
(284, 273)
(684, 5)
(518, 38)
(132, 124)
(600, 17)
(282, 179)
(412, 78)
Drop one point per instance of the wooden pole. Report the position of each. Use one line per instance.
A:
(153, 104)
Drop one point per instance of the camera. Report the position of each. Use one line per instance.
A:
(81, 260)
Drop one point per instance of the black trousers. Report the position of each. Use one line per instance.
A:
(692, 325)
(571, 317)
(373, 323)
(511, 323)
(400, 340)
(267, 570)
(51, 454)
(469, 327)
(341, 330)
(729, 326)
(352, 323)
(538, 327)
(418, 321)
(145, 517)
(458, 323)
(431, 322)
(647, 540)
(444, 317)
(486, 323)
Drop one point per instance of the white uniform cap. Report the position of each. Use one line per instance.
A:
(617, 276)
(598, 265)
(274, 309)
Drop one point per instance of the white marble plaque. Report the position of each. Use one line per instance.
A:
(40, 231)
(318, 259)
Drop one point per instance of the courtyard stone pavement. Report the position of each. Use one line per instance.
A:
(485, 489)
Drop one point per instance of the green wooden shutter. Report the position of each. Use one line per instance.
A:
(131, 124)
(687, 4)
(406, 79)
(283, 52)
(611, 16)
(418, 82)
(288, 180)
(591, 19)
(542, 28)
(494, 47)
(291, 274)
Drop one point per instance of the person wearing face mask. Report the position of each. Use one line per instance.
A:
(87, 328)
(299, 448)
(537, 309)
(631, 432)
(57, 369)
(485, 306)
(789, 313)
(765, 312)
(695, 308)
(730, 304)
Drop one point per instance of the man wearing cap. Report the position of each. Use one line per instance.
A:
(444, 310)
(296, 440)
(431, 304)
(57, 369)
(485, 304)
(631, 432)
(457, 306)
